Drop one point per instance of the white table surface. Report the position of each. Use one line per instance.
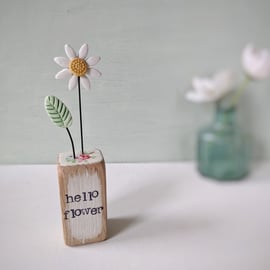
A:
(161, 216)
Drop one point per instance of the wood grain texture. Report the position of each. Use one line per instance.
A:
(83, 202)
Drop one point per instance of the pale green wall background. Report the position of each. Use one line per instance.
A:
(150, 50)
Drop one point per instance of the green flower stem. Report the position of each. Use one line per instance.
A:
(80, 110)
(72, 143)
(239, 92)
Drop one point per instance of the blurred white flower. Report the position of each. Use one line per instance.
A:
(212, 89)
(256, 62)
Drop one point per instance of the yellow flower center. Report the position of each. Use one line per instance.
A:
(78, 66)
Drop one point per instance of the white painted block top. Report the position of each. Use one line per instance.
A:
(66, 159)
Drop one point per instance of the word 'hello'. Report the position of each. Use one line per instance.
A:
(84, 197)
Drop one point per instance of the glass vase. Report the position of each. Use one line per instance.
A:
(223, 148)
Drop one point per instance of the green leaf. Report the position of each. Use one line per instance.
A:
(58, 112)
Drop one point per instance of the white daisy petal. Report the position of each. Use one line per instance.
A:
(61, 61)
(93, 60)
(85, 82)
(83, 51)
(94, 73)
(63, 74)
(70, 52)
(73, 81)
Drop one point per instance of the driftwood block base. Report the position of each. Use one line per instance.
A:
(82, 185)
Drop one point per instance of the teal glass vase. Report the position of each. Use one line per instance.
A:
(223, 148)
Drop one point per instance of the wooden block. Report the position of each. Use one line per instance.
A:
(82, 186)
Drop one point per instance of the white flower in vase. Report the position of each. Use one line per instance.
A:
(212, 89)
(256, 62)
(77, 67)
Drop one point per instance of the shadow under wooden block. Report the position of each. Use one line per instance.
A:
(82, 186)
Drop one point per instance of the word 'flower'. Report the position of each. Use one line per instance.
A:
(256, 62)
(211, 89)
(77, 66)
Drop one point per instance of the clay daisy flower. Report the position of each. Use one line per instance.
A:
(77, 66)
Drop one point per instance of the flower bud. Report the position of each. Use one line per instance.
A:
(256, 62)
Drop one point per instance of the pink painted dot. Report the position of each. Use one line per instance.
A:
(84, 157)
